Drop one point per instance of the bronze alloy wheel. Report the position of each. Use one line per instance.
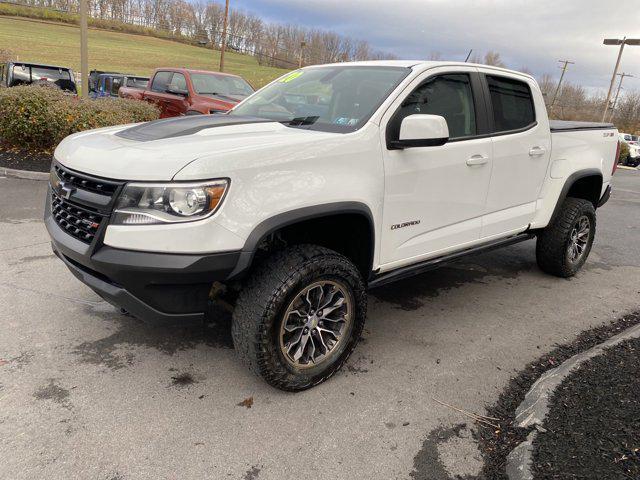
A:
(316, 323)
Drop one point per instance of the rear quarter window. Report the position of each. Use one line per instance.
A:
(512, 104)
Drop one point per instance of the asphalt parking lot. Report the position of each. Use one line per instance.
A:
(88, 393)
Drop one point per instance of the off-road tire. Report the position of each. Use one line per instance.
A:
(263, 301)
(553, 242)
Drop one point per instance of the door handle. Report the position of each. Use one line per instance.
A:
(537, 151)
(477, 160)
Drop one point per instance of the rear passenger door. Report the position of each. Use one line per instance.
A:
(521, 141)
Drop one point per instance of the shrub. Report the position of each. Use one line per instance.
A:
(39, 117)
(624, 153)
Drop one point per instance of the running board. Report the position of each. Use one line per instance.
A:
(432, 264)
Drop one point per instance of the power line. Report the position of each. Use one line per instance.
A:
(564, 67)
(615, 101)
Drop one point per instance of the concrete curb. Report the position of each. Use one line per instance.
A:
(535, 406)
(24, 174)
(520, 458)
(624, 167)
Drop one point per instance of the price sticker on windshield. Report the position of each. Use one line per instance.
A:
(291, 76)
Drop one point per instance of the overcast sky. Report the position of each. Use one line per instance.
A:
(532, 34)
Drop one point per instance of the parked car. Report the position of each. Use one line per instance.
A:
(179, 91)
(109, 84)
(21, 73)
(329, 181)
(633, 159)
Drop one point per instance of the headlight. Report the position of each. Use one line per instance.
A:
(154, 203)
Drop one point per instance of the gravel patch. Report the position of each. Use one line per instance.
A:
(497, 444)
(25, 160)
(592, 430)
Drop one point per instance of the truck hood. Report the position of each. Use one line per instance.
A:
(157, 151)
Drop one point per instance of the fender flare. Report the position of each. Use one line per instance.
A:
(569, 182)
(281, 220)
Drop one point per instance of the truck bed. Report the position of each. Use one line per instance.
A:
(565, 126)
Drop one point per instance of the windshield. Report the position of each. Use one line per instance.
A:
(220, 85)
(333, 99)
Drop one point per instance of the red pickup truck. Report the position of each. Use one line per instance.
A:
(180, 91)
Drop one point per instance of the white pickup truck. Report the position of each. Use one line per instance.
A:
(327, 182)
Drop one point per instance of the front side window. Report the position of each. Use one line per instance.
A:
(333, 99)
(160, 81)
(179, 82)
(449, 96)
(512, 104)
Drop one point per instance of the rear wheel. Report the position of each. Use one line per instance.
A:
(563, 247)
(299, 316)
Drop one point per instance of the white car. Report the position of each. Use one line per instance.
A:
(634, 147)
(330, 181)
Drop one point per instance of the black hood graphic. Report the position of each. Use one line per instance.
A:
(181, 126)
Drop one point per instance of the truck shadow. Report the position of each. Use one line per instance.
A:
(118, 350)
(410, 294)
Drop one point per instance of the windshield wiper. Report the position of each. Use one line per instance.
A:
(300, 121)
(208, 93)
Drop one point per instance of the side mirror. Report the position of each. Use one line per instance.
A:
(421, 130)
(176, 91)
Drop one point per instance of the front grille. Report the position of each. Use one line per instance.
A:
(94, 185)
(78, 222)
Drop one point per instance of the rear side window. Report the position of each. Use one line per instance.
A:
(116, 83)
(449, 96)
(512, 104)
(160, 81)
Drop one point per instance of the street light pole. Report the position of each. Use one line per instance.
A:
(615, 100)
(622, 43)
(84, 49)
(564, 69)
(223, 47)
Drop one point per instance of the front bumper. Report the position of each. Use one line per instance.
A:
(155, 287)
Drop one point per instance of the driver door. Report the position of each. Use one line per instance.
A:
(435, 196)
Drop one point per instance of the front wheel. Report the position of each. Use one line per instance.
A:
(563, 247)
(299, 316)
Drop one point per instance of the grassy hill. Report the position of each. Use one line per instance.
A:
(59, 44)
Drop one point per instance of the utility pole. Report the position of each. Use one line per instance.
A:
(302, 45)
(622, 43)
(615, 100)
(84, 48)
(223, 47)
(564, 70)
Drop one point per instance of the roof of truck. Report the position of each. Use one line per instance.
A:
(195, 70)
(421, 64)
(35, 64)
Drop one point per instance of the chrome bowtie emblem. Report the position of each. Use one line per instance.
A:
(66, 191)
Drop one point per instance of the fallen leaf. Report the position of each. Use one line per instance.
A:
(247, 402)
